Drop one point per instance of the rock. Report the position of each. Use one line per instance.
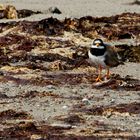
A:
(8, 11)
(36, 137)
(65, 107)
(54, 10)
(51, 87)
(64, 126)
(86, 101)
(11, 12)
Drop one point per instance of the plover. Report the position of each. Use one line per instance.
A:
(103, 56)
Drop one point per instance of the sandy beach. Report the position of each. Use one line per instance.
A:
(48, 89)
(75, 8)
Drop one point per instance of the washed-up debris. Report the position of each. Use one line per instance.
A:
(112, 28)
(129, 53)
(33, 94)
(3, 96)
(26, 13)
(131, 108)
(11, 114)
(44, 64)
(29, 42)
(74, 119)
(21, 130)
(136, 2)
(116, 83)
(8, 11)
(57, 132)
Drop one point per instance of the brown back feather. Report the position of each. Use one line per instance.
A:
(111, 58)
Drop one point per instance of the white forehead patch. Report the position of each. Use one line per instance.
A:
(97, 42)
(99, 47)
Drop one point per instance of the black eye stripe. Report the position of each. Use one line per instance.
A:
(99, 47)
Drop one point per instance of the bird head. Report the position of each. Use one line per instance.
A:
(98, 43)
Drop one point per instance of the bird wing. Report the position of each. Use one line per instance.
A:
(112, 57)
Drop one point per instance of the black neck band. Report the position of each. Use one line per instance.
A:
(97, 52)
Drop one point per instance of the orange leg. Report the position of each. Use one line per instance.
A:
(98, 79)
(108, 73)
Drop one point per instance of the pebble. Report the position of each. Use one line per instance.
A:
(38, 105)
(66, 126)
(65, 107)
(86, 101)
(36, 137)
(54, 10)
(50, 87)
(112, 100)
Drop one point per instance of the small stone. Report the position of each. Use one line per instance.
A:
(36, 137)
(38, 105)
(54, 10)
(65, 107)
(112, 100)
(86, 101)
(51, 87)
(74, 90)
(66, 126)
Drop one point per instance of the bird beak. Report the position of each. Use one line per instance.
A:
(97, 44)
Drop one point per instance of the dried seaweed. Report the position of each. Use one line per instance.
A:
(131, 108)
(11, 114)
(53, 53)
(26, 13)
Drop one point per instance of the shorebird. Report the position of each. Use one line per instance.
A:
(103, 56)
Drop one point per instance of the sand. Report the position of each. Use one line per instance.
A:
(46, 108)
(75, 8)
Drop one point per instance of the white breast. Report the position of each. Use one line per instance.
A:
(97, 60)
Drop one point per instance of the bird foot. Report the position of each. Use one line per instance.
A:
(98, 79)
(107, 77)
